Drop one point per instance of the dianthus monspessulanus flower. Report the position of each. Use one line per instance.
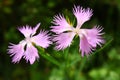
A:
(25, 48)
(65, 32)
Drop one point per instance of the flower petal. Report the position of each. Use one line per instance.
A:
(82, 15)
(63, 40)
(84, 45)
(35, 29)
(61, 24)
(28, 31)
(31, 54)
(42, 39)
(16, 51)
(94, 36)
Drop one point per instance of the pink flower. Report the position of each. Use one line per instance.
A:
(25, 48)
(65, 32)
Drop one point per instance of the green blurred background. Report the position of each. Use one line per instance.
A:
(105, 64)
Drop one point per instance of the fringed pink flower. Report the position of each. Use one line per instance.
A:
(65, 32)
(25, 48)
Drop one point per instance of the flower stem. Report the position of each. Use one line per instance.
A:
(47, 56)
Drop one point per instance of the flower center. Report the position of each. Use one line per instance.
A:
(28, 41)
(76, 30)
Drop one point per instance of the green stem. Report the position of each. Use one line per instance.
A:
(82, 64)
(47, 56)
(66, 58)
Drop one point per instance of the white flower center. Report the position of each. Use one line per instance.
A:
(28, 41)
(79, 31)
(76, 30)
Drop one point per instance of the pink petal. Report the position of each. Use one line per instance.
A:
(16, 51)
(63, 40)
(31, 54)
(28, 31)
(60, 24)
(42, 39)
(84, 45)
(82, 15)
(35, 29)
(94, 36)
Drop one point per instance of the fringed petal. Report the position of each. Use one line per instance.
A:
(82, 15)
(94, 36)
(31, 54)
(85, 47)
(63, 40)
(17, 51)
(60, 24)
(42, 39)
(28, 31)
